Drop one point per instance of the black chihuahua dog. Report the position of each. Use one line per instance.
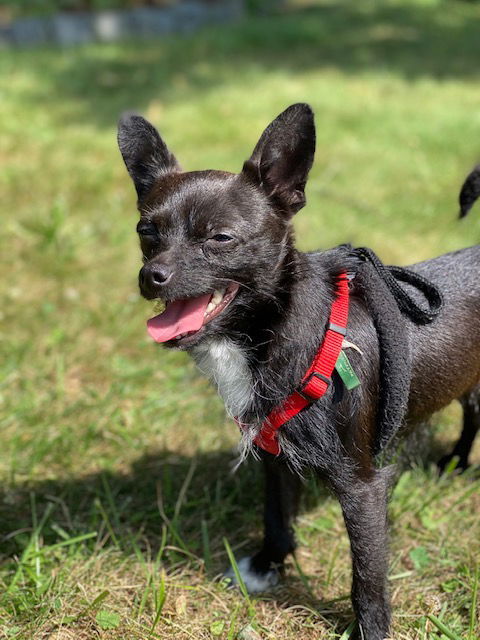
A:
(252, 310)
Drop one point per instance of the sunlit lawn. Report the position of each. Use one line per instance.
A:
(116, 455)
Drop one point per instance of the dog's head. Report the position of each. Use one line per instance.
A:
(211, 240)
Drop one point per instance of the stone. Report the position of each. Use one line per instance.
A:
(28, 32)
(189, 16)
(72, 29)
(147, 21)
(5, 37)
(109, 26)
(69, 29)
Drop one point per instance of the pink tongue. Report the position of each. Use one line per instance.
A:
(179, 317)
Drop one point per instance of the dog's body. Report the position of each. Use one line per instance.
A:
(203, 231)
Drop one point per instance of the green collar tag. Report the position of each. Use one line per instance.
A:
(346, 372)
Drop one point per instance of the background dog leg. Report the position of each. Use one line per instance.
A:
(364, 506)
(471, 425)
(283, 489)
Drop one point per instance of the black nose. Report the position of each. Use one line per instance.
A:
(154, 275)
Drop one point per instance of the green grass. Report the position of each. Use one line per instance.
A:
(116, 493)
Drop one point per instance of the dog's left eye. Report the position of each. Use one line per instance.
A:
(146, 229)
(222, 237)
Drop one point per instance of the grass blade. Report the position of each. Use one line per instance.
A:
(160, 598)
(108, 524)
(207, 555)
(443, 628)
(236, 570)
(473, 607)
(348, 631)
(66, 543)
(303, 577)
(92, 605)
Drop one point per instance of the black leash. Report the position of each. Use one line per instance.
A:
(381, 288)
(392, 275)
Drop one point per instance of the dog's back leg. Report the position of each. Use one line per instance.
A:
(471, 424)
(283, 489)
(364, 506)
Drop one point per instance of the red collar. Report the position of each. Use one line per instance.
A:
(318, 377)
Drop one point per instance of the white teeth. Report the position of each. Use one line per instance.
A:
(217, 296)
(215, 301)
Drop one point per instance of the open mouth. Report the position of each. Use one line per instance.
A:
(184, 319)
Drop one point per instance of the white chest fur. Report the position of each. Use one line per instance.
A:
(226, 365)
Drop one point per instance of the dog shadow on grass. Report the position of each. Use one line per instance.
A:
(177, 508)
(176, 511)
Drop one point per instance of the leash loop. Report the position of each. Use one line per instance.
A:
(392, 275)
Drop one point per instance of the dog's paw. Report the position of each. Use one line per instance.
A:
(255, 582)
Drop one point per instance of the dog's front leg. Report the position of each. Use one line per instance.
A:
(364, 506)
(283, 489)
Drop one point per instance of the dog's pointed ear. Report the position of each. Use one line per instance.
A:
(145, 154)
(283, 157)
(470, 191)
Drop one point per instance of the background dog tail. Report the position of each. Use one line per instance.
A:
(470, 191)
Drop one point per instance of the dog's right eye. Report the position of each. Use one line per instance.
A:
(222, 237)
(147, 229)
